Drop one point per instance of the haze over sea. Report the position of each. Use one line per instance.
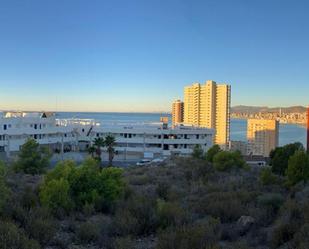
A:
(288, 133)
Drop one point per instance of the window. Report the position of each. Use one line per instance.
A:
(4, 127)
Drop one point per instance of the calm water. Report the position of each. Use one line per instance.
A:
(288, 133)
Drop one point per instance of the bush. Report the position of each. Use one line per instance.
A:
(198, 236)
(87, 233)
(272, 201)
(123, 243)
(214, 150)
(170, 214)
(68, 186)
(41, 229)
(282, 234)
(227, 206)
(280, 156)
(11, 237)
(55, 195)
(267, 177)
(197, 152)
(4, 190)
(32, 158)
(298, 168)
(226, 160)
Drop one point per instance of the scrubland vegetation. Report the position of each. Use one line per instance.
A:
(210, 201)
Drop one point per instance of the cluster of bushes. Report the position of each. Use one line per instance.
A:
(290, 161)
(221, 160)
(68, 187)
(206, 201)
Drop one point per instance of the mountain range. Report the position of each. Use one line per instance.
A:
(257, 109)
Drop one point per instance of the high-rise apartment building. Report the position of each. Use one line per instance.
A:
(177, 112)
(263, 136)
(208, 105)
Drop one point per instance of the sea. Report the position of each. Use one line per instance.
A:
(288, 133)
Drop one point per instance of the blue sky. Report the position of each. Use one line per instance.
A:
(137, 55)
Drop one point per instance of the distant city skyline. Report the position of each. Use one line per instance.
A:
(137, 56)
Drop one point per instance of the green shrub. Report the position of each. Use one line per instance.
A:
(214, 150)
(226, 160)
(272, 201)
(227, 206)
(267, 177)
(197, 152)
(280, 156)
(55, 195)
(282, 234)
(11, 237)
(68, 186)
(88, 232)
(4, 190)
(302, 237)
(298, 168)
(123, 243)
(41, 229)
(197, 236)
(32, 158)
(170, 214)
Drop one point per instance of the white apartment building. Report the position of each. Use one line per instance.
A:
(17, 127)
(75, 134)
(208, 105)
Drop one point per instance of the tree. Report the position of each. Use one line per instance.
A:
(298, 167)
(67, 186)
(91, 150)
(55, 194)
(98, 143)
(32, 158)
(214, 150)
(280, 156)
(197, 152)
(226, 160)
(109, 142)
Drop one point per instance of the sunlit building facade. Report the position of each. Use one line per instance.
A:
(263, 136)
(208, 105)
(177, 112)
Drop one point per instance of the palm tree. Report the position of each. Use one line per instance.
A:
(98, 143)
(110, 143)
(91, 150)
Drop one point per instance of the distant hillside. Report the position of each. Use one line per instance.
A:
(256, 109)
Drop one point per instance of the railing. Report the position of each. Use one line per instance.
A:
(77, 122)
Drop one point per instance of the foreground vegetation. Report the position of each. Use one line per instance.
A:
(210, 201)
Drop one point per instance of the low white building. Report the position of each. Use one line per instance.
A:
(156, 139)
(17, 127)
(76, 134)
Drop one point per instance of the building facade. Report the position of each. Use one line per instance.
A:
(262, 136)
(208, 105)
(177, 112)
(238, 146)
(156, 140)
(77, 134)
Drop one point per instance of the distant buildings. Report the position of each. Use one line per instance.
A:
(208, 105)
(262, 136)
(177, 112)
